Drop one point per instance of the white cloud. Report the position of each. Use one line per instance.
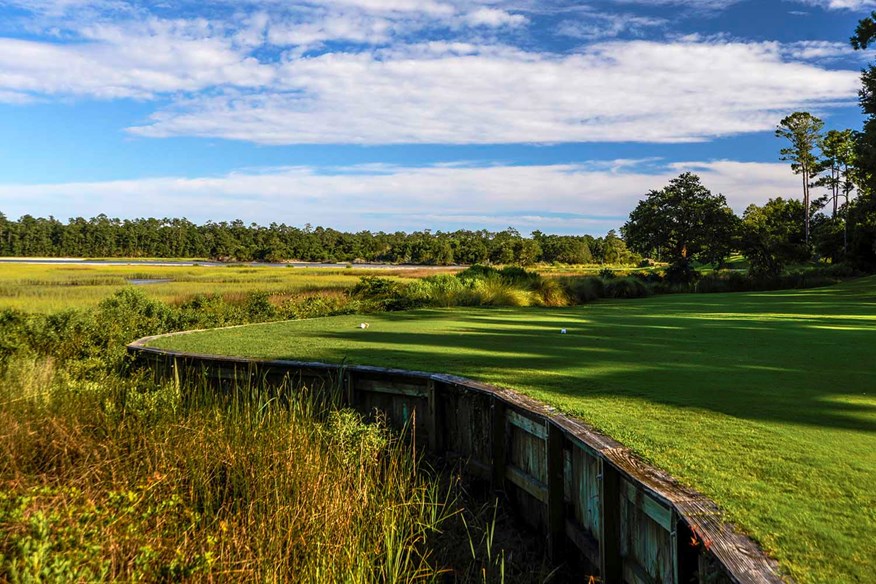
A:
(855, 5)
(558, 198)
(337, 26)
(618, 91)
(425, 6)
(821, 51)
(594, 25)
(266, 75)
(701, 5)
(133, 61)
(494, 17)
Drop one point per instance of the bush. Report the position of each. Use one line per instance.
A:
(649, 277)
(385, 294)
(371, 287)
(628, 287)
(514, 275)
(321, 305)
(519, 276)
(477, 272)
(550, 292)
(494, 291)
(208, 311)
(723, 282)
(681, 272)
(842, 271)
(443, 290)
(584, 289)
(258, 308)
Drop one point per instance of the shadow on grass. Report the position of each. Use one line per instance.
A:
(804, 357)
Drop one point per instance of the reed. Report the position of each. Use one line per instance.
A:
(118, 479)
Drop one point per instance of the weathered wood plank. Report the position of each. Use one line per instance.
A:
(498, 441)
(611, 566)
(588, 546)
(431, 421)
(536, 428)
(584, 488)
(633, 573)
(528, 453)
(661, 514)
(392, 388)
(556, 501)
(534, 487)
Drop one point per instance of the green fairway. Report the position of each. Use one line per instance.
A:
(765, 402)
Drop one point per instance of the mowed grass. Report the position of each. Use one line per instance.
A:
(765, 402)
(49, 288)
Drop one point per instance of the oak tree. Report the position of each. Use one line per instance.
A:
(682, 222)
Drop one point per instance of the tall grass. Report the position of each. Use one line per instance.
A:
(108, 476)
(113, 480)
(51, 288)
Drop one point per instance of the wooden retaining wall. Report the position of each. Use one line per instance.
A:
(598, 506)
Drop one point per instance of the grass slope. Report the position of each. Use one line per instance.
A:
(764, 401)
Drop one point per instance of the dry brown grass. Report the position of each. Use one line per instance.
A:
(118, 483)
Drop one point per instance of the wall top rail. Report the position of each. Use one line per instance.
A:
(743, 561)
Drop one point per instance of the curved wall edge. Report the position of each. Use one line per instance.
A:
(596, 502)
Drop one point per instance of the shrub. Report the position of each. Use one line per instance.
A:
(208, 311)
(519, 276)
(477, 272)
(649, 277)
(258, 308)
(681, 272)
(443, 290)
(371, 287)
(321, 305)
(494, 291)
(584, 289)
(842, 271)
(550, 292)
(385, 294)
(628, 287)
(723, 282)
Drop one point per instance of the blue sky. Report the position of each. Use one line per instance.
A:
(408, 114)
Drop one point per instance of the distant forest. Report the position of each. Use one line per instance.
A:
(103, 236)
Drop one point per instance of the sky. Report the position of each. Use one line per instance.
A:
(409, 114)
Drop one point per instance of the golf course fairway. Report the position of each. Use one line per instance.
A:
(765, 402)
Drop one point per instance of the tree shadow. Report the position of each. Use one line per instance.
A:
(788, 357)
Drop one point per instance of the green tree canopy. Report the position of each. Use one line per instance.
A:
(838, 159)
(682, 222)
(862, 212)
(803, 131)
(772, 236)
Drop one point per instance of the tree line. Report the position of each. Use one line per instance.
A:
(103, 236)
(680, 224)
(684, 222)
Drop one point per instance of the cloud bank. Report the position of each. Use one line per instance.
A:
(399, 71)
(570, 198)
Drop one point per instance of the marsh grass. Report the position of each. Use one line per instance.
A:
(116, 480)
(51, 288)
